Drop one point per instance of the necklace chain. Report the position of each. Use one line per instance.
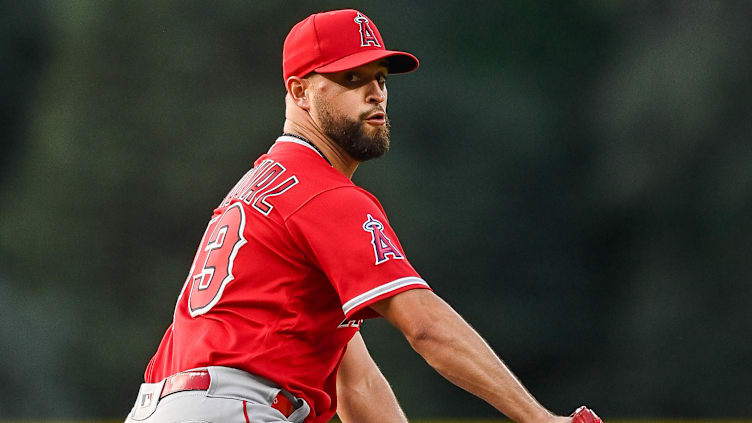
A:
(309, 143)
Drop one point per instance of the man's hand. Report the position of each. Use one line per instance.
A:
(585, 415)
(580, 415)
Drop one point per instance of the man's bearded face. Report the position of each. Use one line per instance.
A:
(359, 139)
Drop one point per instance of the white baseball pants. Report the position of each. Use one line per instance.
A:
(233, 396)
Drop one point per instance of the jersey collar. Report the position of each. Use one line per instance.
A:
(301, 141)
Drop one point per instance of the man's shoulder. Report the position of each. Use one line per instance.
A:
(317, 179)
(285, 179)
(313, 174)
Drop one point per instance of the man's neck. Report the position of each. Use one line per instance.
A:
(338, 158)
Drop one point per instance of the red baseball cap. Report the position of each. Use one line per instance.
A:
(336, 41)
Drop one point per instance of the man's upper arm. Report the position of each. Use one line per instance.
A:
(414, 312)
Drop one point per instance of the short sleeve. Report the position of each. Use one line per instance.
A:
(345, 232)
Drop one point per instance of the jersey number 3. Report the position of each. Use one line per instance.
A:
(212, 266)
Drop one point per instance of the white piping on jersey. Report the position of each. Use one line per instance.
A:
(381, 290)
(286, 138)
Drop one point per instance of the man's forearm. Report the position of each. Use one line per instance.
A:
(363, 394)
(373, 404)
(459, 354)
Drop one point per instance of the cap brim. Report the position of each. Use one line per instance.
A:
(397, 61)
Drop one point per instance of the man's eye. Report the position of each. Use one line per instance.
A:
(352, 77)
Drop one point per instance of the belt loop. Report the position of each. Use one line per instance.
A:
(300, 414)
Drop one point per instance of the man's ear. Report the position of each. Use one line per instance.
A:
(297, 88)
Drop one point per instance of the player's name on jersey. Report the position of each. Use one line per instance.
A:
(259, 184)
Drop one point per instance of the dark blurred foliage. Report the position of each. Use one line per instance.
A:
(23, 56)
(575, 178)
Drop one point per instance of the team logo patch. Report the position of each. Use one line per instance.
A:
(382, 245)
(367, 36)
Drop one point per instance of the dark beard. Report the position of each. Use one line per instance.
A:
(351, 136)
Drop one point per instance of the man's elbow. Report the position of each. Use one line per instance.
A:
(421, 316)
(426, 332)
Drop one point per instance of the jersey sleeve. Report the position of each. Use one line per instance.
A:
(345, 232)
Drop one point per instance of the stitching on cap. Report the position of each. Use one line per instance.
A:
(318, 46)
(320, 63)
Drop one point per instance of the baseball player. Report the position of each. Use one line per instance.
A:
(296, 257)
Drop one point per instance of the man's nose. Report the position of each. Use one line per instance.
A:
(376, 94)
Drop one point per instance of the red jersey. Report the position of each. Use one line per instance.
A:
(283, 276)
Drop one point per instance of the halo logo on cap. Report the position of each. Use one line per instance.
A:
(367, 36)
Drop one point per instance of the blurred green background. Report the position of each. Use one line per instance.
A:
(575, 178)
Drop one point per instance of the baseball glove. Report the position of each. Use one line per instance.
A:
(585, 415)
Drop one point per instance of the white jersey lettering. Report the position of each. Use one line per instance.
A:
(258, 185)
